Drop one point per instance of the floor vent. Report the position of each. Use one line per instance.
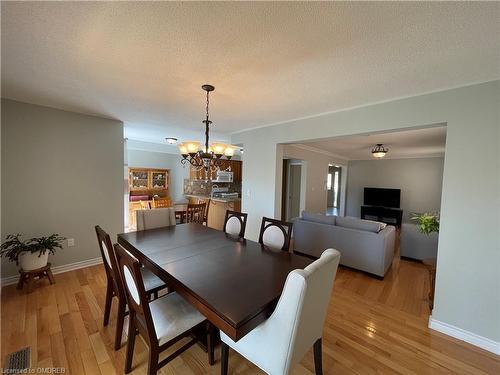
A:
(18, 361)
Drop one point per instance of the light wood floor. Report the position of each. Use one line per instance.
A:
(372, 327)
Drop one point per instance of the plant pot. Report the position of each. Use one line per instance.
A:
(33, 261)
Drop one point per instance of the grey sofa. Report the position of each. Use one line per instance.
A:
(417, 245)
(364, 245)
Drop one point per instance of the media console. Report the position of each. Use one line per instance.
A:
(388, 215)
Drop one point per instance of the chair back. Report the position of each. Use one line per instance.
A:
(196, 213)
(109, 260)
(162, 202)
(144, 205)
(135, 292)
(275, 234)
(235, 223)
(159, 217)
(300, 314)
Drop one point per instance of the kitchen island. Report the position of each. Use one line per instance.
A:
(217, 208)
(219, 188)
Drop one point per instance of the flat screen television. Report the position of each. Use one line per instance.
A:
(382, 197)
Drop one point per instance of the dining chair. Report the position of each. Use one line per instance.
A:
(205, 215)
(195, 213)
(235, 223)
(159, 217)
(275, 234)
(161, 323)
(161, 202)
(152, 284)
(296, 323)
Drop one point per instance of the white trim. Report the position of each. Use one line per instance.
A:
(461, 334)
(55, 270)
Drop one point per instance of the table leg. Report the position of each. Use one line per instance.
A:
(210, 343)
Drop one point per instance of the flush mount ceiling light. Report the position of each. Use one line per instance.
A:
(379, 151)
(171, 140)
(205, 156)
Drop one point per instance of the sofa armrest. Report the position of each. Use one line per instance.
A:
(389, 240)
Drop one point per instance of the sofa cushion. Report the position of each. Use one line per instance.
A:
(318, 218)
(359, 224)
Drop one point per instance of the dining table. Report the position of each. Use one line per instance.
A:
(234, 283)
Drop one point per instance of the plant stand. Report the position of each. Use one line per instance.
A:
(27, 277)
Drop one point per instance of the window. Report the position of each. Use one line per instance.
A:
(329, 181)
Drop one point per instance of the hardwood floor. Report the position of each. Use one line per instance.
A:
(373, 327)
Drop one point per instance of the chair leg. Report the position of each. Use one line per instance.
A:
(210, 343)
(107, 305)
(318, 364)
(119, 324)
(224, 361)
(153, 360)
(130, 344)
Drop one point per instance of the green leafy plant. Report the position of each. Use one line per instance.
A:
(427, 223)
(14, 245)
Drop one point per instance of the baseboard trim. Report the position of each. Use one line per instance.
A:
(461, 334)
(55, 270)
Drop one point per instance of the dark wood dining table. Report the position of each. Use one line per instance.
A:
(235, 284)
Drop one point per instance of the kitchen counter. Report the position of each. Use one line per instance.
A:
(217, 208)
(206, 197)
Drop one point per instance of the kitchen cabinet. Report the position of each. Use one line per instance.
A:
(236, 168)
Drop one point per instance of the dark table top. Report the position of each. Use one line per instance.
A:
(235, 284)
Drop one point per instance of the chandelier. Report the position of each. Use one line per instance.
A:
(379, 151)
(205, 156)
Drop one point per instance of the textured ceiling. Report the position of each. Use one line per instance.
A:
(416, 143)
(144, 62)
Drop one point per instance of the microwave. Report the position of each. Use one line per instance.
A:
(224, 176)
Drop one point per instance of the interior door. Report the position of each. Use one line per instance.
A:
(294, 191)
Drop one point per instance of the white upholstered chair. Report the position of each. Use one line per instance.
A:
(275, 234)
(295, 325)
(155, 218)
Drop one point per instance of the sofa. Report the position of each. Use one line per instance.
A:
(416, 245)
(364, 245)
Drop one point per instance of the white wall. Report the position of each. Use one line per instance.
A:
(468, 277)
(420, 181)
(62, 172)
(152, 159)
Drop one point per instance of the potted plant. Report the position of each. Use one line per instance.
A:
(30, 254)
(427, 223)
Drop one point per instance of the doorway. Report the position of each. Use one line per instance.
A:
(292, 194)
(333, 186)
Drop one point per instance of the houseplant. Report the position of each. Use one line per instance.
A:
(30, 254)
(427, 223)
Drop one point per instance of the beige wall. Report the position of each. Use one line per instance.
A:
(151, 159)
(420, 181)
(61, 172)
(468, 277)
(315, 171)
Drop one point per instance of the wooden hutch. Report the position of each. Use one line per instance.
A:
(144, 184)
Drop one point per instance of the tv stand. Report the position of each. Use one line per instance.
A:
(388, 215)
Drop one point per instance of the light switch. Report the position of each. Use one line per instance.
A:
(71, 242)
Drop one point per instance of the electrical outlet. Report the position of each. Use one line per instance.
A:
(71, 242)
